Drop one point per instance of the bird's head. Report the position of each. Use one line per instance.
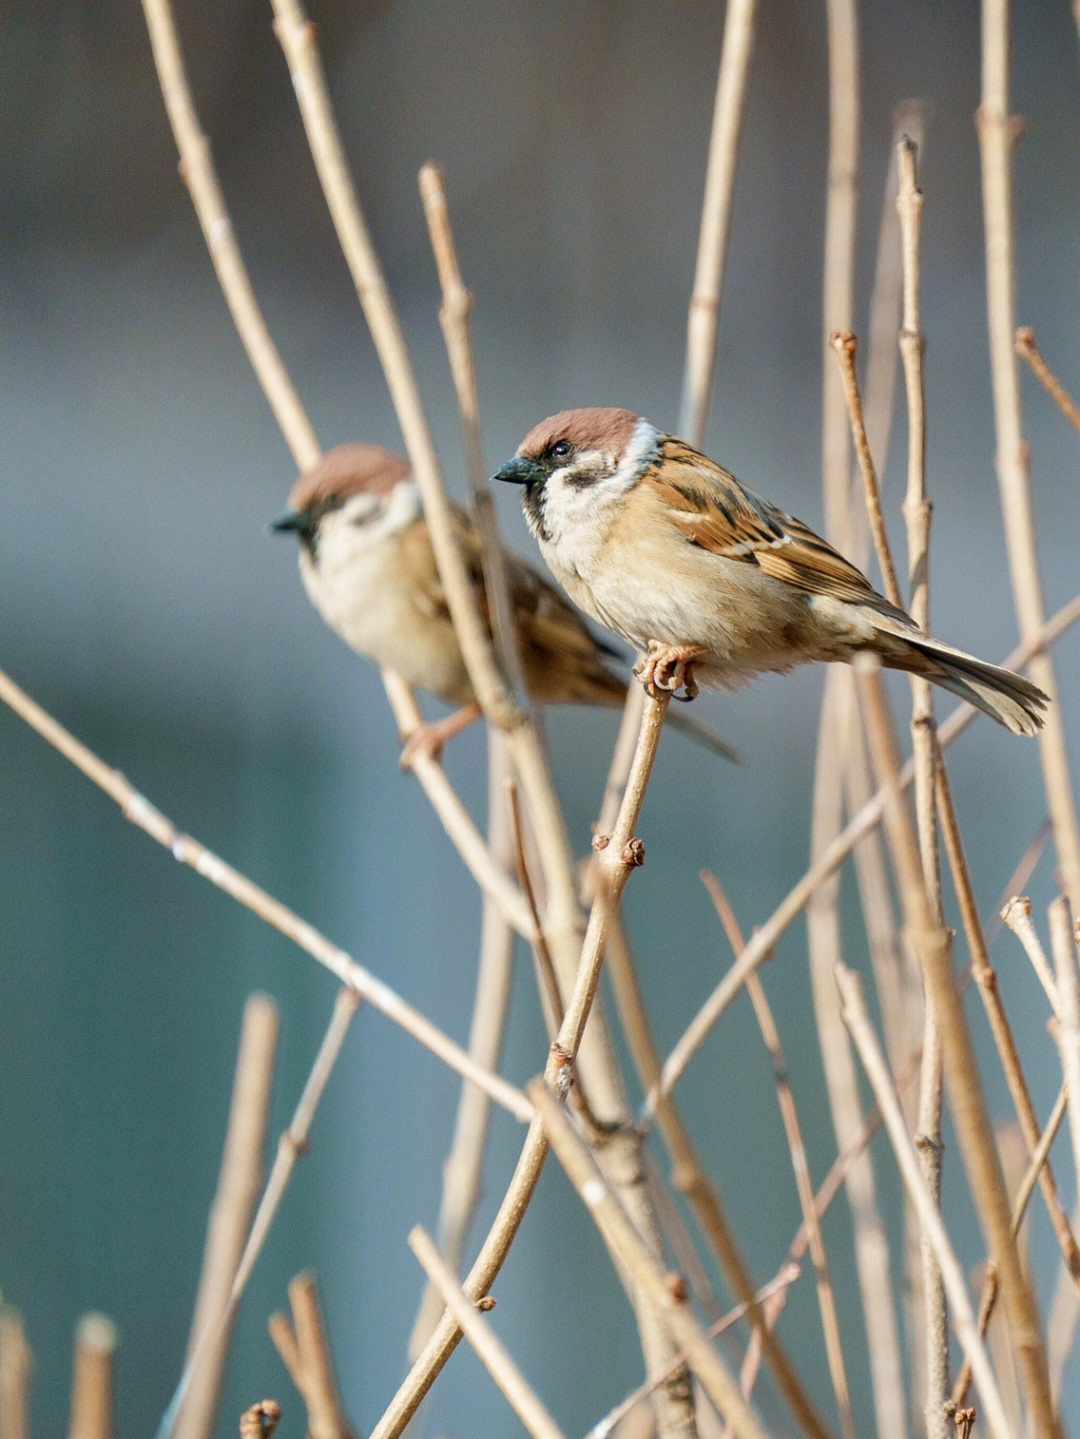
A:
(360, 492)
(577, 465)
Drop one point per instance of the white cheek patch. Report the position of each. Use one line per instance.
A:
(373, 521)
(577, 516)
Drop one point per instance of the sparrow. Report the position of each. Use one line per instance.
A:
(368, 566)
(709, 582)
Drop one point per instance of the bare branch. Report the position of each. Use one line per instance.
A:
(952, 1275)
(239, 1180)
(704, 318)
(189, 851)
(643, 1266)
(1026, 347)
(495, 1358)
(96, 1339)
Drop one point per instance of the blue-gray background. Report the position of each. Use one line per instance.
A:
(144, 602)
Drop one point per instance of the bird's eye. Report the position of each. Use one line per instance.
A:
(560, 450)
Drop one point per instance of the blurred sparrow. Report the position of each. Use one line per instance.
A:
(709, 582)
(369, 569)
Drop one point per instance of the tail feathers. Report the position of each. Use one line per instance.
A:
(1005, 696)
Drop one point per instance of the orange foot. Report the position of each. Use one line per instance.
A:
(669, 668)
(428, 738)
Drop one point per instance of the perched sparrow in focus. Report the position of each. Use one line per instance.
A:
(369, 569)
(709, 582)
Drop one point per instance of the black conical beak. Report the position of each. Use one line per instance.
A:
(295, 520)
(519, 471)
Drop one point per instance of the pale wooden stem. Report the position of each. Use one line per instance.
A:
(894, 990)
(967, 1101)
(765, 936)
(293, 1143)
(688, 1177)
(295, 1140)
(645, 1269)
(96, 1339)
(605, 1427)
(239, 1180)
(183, 847)
(16, 1366)
(704, 318)
(1026, 346)
(283, 1336)
(196, 167)
(1000, 1028)
(846, 346)
(296, 35)
(463, 1169)
(455, 317)
(917, 512)
(841, 206)
(997, 132)
(618, 858)
(964, 1319)
(830, 1322)
(1068, 1026)
(318, 1386)
(198, 170)
(1016, 913)
(600, 1076)
(1035, 1169)
(490, 1350)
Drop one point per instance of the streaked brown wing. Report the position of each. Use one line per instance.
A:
(718, 514)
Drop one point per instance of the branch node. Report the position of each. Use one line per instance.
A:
(260, 1421)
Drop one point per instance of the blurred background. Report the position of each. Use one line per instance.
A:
(143, 601)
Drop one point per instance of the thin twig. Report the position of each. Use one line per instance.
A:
(1068, 1026)
(704, 318)
(296, 35)
(1001, 1029)
(187, 850)
(688, 1177)
(928, 777)
(455, 318)
(239, 1180)
(963, 1316)
(292, 1144)
(621, 854)
(846, 346)
(605, 1427)
(283, 1336)
(967, 1100)
(314, 1362)
(547, 979)
(1035, 1170)
(16, 1366)
(96, 1339)
(463, 1169)
(198, 171)
(764, 938)
(490, 1350)
(830, 1322)
(1029, 350)
(997, 132)
(644, 1267)
(1016, 915)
